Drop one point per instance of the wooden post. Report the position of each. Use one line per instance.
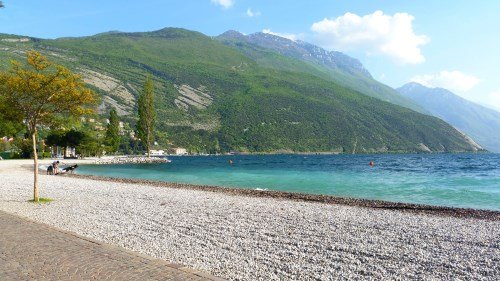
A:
(35, 167)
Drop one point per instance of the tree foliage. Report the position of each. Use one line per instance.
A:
(43, 93)
(147, 115)
(112, 138)
(71, 138)
(11, 122)
(90, 145)
(55, 138)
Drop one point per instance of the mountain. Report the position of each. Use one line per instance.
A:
(330, 65)
(300, 50)
(214, 97)
(479, 122)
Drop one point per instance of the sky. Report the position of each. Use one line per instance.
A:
(449, 44)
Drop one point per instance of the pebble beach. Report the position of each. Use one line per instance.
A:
(239, 237)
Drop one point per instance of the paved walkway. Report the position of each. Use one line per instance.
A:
(30, 250)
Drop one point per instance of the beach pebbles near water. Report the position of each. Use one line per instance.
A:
(130, 160)
(250, 238)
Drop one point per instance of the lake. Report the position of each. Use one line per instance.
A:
(458, 180)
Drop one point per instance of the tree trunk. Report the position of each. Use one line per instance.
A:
(35, 167)
(148, 140)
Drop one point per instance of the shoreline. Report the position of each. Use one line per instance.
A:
(304, 197)
(446, 211)
(329, 153)
(262, 235)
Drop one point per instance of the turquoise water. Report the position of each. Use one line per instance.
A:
(460, 180)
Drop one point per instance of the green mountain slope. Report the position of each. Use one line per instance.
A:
(213, 97)
(277, 52)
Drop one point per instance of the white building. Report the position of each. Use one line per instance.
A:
(180, 151)
(153, 152)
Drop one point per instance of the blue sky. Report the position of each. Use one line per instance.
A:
(451, 44)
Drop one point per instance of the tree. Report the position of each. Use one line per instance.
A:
(73, 138)
(112, 138)
(43, 93)
(147, 115)
(55, 139)
(11, 122)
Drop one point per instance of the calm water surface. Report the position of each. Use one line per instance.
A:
(460, 180)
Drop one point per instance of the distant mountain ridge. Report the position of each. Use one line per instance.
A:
(219, 95)
(301, 50)
(335, 66)
(479, 122)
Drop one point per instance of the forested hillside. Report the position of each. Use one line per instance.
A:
(215, 97)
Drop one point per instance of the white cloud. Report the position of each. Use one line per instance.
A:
(376, 33)
(454, 81)
(493, 100)
(224, 3)
(461, 84)
(251, 13)
(290, 36)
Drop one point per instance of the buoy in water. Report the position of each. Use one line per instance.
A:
(372, 164)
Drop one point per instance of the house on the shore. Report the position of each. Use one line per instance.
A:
(68, 152)
(179, 151)
(154, 152)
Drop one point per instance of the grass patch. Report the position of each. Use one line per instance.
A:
(41, 200)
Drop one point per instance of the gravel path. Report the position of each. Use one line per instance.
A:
(245, 238)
